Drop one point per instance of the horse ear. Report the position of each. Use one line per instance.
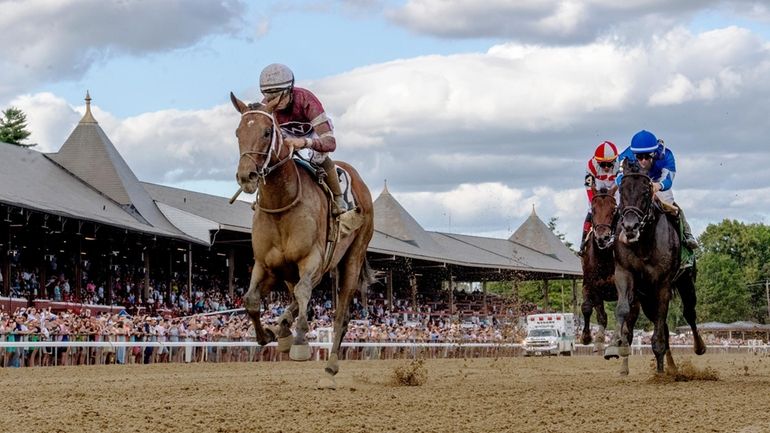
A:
(237, 103)
(271, 104)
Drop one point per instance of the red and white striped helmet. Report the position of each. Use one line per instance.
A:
(606, 152)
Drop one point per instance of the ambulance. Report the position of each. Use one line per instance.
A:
(550, 334)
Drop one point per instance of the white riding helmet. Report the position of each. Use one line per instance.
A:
(276, 77)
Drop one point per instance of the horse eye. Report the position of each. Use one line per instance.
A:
(268, 132)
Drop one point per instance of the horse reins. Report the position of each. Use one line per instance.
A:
(276, 142)
(644, 216)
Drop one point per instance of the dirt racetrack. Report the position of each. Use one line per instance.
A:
(578, 394)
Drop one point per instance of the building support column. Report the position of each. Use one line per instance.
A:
(146, 255)
(6, 262)
(413, 291)
(389, 290)
(231, 273)
(546, 304)
(189, 272)
(78, 276)
(451, 293)
(484, 307)
(574, 297)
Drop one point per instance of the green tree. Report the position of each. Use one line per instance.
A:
(733, 263)
(13, 127)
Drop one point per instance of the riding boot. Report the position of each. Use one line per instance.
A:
(689, 239)
(339, 206)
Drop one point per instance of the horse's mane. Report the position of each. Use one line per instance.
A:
(256, 106)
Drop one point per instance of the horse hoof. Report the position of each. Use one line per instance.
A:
(299, 352)
(284, 344)
(700, 348)
(270, 336)
(611, 352)
(586, 340)
(327, 382)
(624, 351)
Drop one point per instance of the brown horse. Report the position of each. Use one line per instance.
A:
(647, 262)
(290, 235)
(598, 263)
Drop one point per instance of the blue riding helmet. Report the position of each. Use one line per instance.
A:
(644, 142)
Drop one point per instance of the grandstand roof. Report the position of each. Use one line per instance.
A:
(88, 179)
(30, 180)
(90, 156)
(535, 234)
(391, 219)
(397, 233)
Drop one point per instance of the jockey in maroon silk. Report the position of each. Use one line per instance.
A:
(304, 122)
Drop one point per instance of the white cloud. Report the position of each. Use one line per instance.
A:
(479, 138)
(60, 39)
(567, 22)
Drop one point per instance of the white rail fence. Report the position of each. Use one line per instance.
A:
(14, 353)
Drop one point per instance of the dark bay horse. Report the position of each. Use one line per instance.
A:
(598, 262)
(647, 260)
(290, 233)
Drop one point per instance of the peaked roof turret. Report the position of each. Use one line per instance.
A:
(393, 220)
(90, 155)
(535, 234)
(88, 117)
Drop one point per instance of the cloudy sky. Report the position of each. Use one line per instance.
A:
(472, 111)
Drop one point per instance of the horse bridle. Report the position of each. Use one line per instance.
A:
(645, 216)
(608, 226)
(276, 142)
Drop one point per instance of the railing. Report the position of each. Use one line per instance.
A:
(52, 353)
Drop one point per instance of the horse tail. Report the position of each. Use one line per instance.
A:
(366, 277)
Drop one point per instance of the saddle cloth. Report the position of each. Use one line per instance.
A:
(687, 256)
(344, 176)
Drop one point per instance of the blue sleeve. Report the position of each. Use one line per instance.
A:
(668, 170)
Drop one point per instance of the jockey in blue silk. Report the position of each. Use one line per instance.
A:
(659, 163)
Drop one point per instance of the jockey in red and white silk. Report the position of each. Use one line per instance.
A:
(602, 168)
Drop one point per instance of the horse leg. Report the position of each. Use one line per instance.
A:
(601, 319)
(353, 278)
(308, 268)
(686, 287)
(283, 330)
(624, 282)
(587, 308)
(671, 368)
(660, 334)
(633, 315)
(252, 302)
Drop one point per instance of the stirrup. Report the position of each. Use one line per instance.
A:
(691, 243)
(339, 206)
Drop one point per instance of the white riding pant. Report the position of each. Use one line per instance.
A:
(666, 196)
